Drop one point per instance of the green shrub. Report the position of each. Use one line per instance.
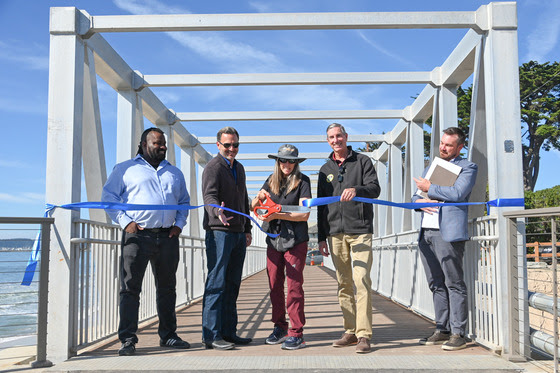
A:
(539, 229)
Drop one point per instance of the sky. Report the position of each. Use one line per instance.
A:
(24, 58)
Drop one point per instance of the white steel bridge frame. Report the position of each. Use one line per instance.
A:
(488, 53)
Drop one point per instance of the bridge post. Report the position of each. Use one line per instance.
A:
(130, 124)
(93, 153)
(505, 179)
(189, 168)
(63, 178)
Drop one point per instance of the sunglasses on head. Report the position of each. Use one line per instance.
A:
(284, 160)
(228, 145)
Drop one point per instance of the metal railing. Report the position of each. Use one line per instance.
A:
(541, 328)
(98, 256)
(398, 274)
(42, 308)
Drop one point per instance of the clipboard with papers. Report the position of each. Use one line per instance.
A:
(441, 172)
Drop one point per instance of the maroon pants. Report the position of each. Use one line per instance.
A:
(279, 266)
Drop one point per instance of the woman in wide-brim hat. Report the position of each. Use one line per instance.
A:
(286, 254)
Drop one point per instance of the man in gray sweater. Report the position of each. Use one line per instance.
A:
(227, 237)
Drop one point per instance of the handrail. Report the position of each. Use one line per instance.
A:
(543, 343)
(25, 220)
(41, 359)
(533, 213)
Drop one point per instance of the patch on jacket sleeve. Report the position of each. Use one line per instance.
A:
(330, 177)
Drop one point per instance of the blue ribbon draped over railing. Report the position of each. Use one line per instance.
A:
(32, 264)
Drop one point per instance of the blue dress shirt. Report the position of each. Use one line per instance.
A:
(136, 181)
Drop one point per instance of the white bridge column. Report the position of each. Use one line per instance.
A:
(170, 140)
(129, 124)
(189, 168)
(382, 213)
(413, 168)
(396, 184)
(63, 179)
(505, 168)
(93, 153)
(478, 148)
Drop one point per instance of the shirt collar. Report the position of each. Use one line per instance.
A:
(227, 161)
(347, 156)
(162, 164)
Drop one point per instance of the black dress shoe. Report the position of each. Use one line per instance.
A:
(238, 340)
(219, 344)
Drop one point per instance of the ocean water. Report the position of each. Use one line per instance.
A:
(18, 303)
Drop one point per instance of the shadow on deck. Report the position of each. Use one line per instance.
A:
(395, 335)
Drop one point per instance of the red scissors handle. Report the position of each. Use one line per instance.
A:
(267, 208)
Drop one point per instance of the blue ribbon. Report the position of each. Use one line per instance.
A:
(32, 264)
(132, 206)
(500, 202)
(36, 251)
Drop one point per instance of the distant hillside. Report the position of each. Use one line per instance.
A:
(16, 243)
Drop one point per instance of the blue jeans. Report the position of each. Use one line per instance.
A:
(225, 254)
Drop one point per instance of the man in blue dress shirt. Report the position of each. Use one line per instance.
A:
(148, 235)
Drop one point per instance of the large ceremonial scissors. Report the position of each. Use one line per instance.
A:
(269, 207)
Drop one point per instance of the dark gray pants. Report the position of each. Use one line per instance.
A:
(443, 264)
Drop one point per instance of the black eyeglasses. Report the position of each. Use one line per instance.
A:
(228, 145)
(341, 171)
(284, 160)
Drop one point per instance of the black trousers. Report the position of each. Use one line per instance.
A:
(162, 252)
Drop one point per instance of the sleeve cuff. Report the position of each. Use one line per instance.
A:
(124, 220)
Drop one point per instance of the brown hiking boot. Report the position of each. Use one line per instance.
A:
(363, 345)
(346, 340)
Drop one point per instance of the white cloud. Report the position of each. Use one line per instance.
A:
(168, 97)
(14, 164)
(260, 7)
(23, 57)
(23, 105)
(545, 35)
(209, 45)
(148, 7)
(386, 52)
(220, 50)
(22, 198)
(309, 98)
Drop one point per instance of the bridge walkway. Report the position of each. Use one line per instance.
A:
(395, 335)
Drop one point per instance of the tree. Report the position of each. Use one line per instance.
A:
(538, 229)
(540, 109)
(370, 146)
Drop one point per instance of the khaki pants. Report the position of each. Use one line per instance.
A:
(352, 258)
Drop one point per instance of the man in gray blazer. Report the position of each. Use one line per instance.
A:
(442, 244)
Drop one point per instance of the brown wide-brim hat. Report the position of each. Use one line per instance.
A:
(287, 151)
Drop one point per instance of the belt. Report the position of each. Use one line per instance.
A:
(157, 230)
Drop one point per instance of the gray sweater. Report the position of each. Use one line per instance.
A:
(219, 185)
